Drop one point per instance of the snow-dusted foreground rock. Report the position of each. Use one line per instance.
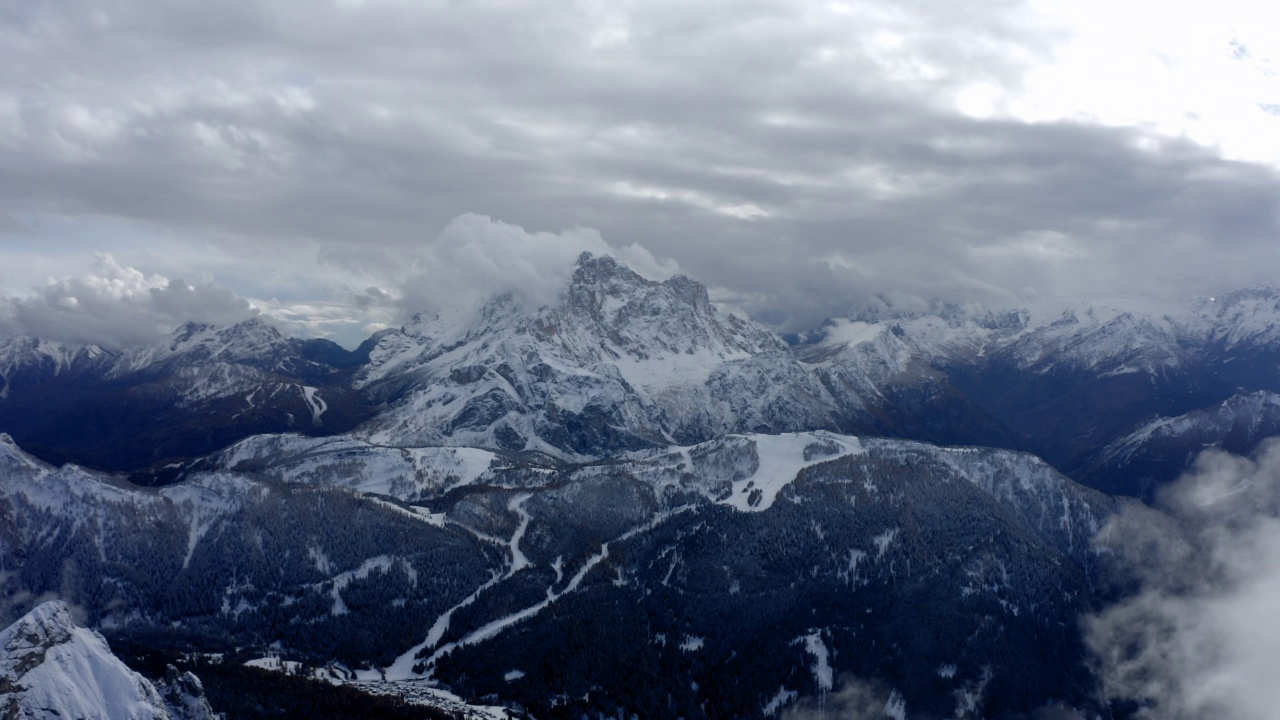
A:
(50, 668)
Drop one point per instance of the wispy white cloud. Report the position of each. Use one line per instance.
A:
(855, 700)
(113, 304)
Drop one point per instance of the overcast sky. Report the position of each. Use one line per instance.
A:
(336, 164)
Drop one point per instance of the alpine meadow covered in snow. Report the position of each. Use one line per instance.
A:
(596, 360)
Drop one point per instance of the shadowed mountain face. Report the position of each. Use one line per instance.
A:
(1064, 389)
(1161, 448)
(144, 408)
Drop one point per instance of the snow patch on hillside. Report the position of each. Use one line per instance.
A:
(822, 672)
(782, 457)
(777, 702)
(315, 403)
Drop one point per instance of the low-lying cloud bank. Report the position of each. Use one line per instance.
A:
(1201, 636)
(855, 700)
(1198, 636)
(472, 259)
(115, 305)
(476, 257)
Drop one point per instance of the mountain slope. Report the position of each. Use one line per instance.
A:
(895, 374)
(1160, 449)
(474, 568)
(1063, 386)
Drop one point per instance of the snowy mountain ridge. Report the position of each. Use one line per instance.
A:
(621, 363)
(27, 355)
(643, 320)
(1080, 334)
(251, 341)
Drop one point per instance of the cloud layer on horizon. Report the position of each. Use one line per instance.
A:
(475, 257)
(800, 156)
(114, 306)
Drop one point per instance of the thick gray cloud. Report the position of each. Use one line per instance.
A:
(1200, 637)
(801, 156)
(114, 306)
(476, 257)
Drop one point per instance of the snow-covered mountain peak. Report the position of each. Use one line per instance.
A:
(628, 315)
(608, 312)
(29, 355)
(23, 350)
(1247, 316)
(868, 354)
(620, 359)
(891, 347)
(251, 342)
(601, 286)
(1099, 338)
(605, 271)
(598, 287)
(226, 342)
(1126, 336)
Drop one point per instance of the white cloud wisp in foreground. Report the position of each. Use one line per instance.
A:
(1200, 637)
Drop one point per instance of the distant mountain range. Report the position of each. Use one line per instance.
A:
(624, 363)
(627, 502)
